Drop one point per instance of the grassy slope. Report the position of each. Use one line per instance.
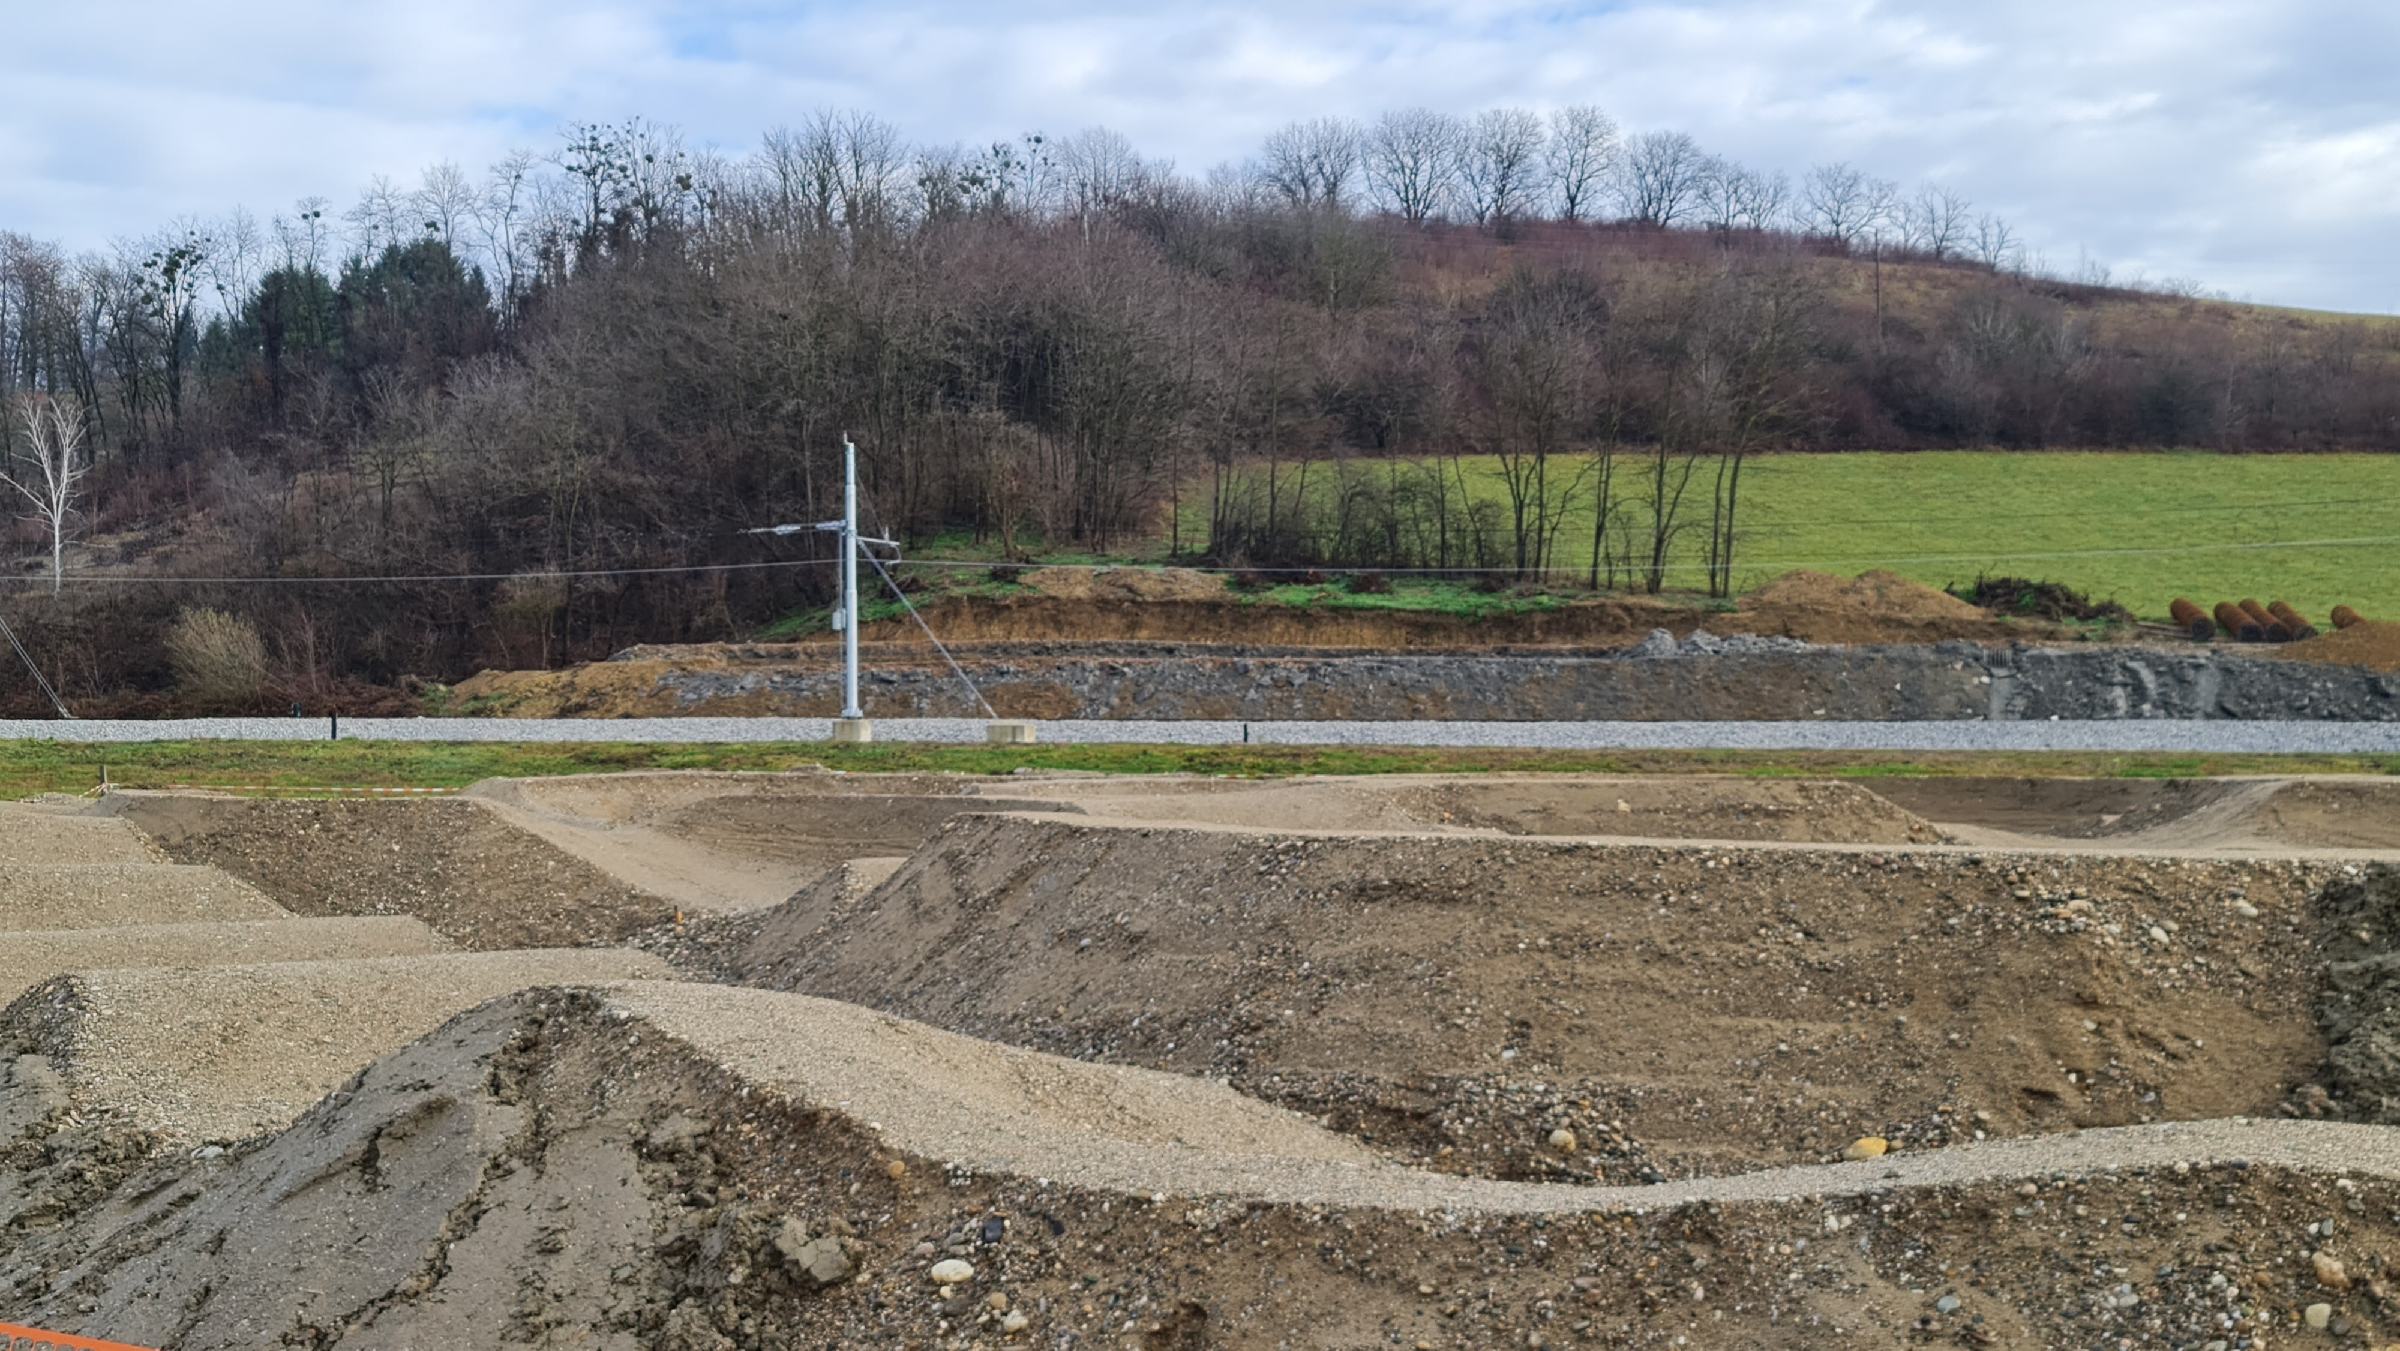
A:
(31, 767)
(2142, 528)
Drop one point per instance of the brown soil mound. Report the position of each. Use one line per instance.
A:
(479, 881)
(28, 959)
(1126, 584)
(715, 842)
(675, 1170)
(1455, 999)
(224, 1052)
(1870, 596)
(104, 896)
(2192, 814)
(2374, 645)
(1667, 809)
(1696, 808)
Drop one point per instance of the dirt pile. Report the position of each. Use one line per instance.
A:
(638, 1168)
(478, 880)
(1454, 1000)
(719, 842)
(1705, 809)
(1871, 598)
(2374, 645)
(1167, 584)
(2223, 815)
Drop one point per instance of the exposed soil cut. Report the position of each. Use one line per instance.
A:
(478, 880)
(1455, 1000)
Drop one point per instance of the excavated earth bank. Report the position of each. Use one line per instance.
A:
(675, 1168)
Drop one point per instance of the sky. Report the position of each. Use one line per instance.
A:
(2250, 145)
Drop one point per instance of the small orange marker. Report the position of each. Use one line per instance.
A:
(14, 1338)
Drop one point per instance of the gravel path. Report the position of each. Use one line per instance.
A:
(2214, 736)
(997, 1108)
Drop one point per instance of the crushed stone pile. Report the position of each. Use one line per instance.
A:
(113, 895)
(226, 1052)
(49, 836)
(695, 1169)
(29, 958)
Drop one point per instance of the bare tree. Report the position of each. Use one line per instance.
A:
(1845, 204)
(48, 471)
(1412, 161)
(1502, 165)
(1099, 172)
(1994, 244)
(1764, 199)
(1581, 154)
(1313, 164)
(1659, 178)
(445, 202)
(1935, 221)
(380, 217)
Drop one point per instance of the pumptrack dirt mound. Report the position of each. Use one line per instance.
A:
(2220, 814)
(479, 880)
(224, 1052)
(678, 1169)
(1454, 1000)
(28, 959)
(715, 842)
(110, 895)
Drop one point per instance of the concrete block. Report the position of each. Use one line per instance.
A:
(1009, 732)
(859, 730)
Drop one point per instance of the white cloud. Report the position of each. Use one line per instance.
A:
(2249, 143)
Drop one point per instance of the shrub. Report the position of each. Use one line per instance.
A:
(1368, 584)
(1007, 574)
(217, 657)
(1251, 580)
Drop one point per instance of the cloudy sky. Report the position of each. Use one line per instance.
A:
(2253, 145)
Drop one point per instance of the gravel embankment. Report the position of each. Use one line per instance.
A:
(2211, 736)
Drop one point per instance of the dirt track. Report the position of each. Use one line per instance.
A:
(1552, 1089)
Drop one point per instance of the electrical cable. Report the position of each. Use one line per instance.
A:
(39, 679)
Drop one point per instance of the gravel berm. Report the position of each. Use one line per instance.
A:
(2125, 735)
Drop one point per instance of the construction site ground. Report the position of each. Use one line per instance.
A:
(702, 1060)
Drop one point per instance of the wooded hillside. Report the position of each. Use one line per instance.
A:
(621, 355)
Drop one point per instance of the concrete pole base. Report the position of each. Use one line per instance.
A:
(1009, 733)
(857, 730)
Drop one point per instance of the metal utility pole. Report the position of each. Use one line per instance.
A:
(845, 617)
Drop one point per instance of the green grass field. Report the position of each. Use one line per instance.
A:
(2141, 528)
(28, 768)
